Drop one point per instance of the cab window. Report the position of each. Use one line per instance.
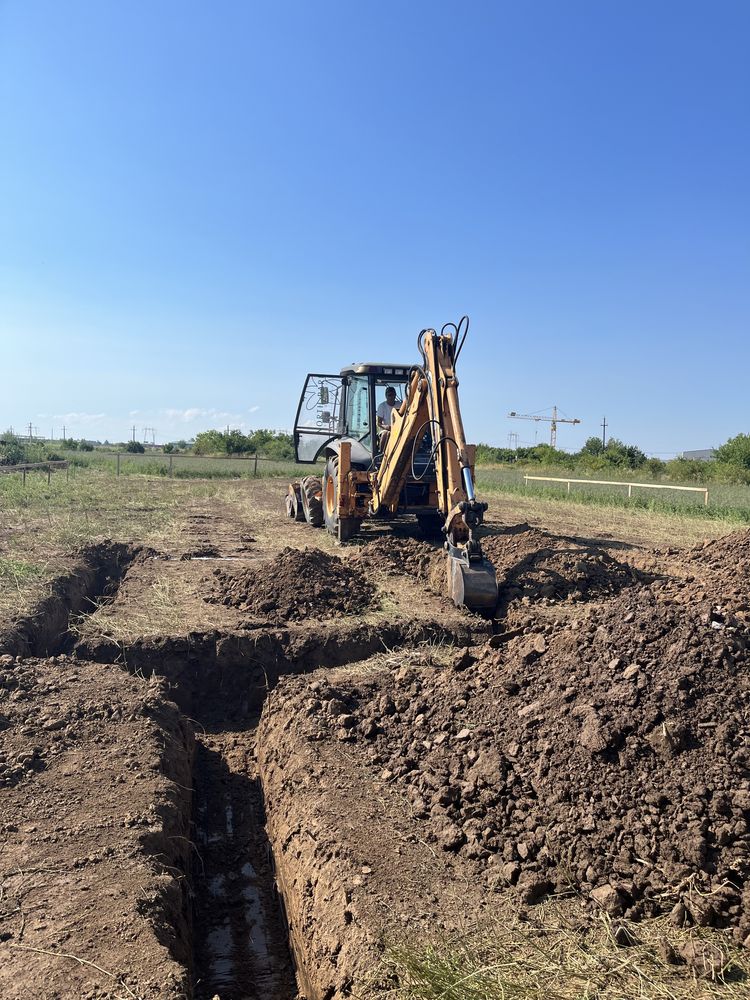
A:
(358, 408)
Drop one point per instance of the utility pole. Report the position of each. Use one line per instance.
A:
(30, 430)
(513, 440)
(134, 432)
(604, 432)
(63, 432)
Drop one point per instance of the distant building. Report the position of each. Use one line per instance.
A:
(701, 455)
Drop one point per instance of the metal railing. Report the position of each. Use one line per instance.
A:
(630, 486)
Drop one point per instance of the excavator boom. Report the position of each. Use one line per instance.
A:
(431, 408)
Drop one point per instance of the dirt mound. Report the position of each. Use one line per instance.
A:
(296, 584)
(611, 756)
(722, 569)
(400, 555)
(533, 564)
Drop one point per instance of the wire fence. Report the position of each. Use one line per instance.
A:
(178, 466)
(48, 467)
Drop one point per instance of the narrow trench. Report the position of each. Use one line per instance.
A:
(240, 939)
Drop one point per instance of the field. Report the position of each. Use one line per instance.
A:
(239, 760)
(726, 502)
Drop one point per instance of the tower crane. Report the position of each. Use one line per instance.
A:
(553, 421)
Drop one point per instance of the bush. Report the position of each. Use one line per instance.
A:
(85, 446)
(735, 451)
(135, 447)
(210, 443)
(12, 451)
(271, 443)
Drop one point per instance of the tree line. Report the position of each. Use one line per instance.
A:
(731, 462)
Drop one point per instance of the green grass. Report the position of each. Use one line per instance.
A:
(18, 571)
(726, 502)
(186, 466)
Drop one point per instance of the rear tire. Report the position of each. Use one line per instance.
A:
(342, 528)
(293, 503)
(311, 490)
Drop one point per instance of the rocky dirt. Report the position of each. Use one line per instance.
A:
(610, 756)
(354, 869)
(596, 747)
(94, 821)
(535, 564)
(294, 585)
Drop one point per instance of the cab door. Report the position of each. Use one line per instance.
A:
(318, 418)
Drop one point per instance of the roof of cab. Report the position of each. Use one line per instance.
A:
(376, 368)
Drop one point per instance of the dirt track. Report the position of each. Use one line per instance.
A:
(430, 765)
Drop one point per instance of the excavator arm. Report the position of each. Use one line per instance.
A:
(431, 405)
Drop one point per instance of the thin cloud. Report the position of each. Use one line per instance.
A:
(80, 418)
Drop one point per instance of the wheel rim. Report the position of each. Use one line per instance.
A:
(330, 496)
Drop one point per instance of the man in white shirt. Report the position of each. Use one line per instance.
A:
(384, 415)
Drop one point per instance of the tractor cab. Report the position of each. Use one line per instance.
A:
(345, 406)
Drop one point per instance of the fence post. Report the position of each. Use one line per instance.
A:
(24, 477)
(170, 466)
(568, 486)
(705, 498)
(49, 474)
(67, 472)
(630, 489)
(118, 463)
(255, 469)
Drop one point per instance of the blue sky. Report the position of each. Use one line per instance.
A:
(202, 202)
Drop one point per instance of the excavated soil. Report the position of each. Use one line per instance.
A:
(534, 564)
(610, 756)
(296, 584)
(408, 556)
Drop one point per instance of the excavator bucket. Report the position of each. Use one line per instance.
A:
(471, 583)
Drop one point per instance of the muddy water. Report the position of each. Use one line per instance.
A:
(240, 949)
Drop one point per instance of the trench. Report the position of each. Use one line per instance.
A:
(231, 913)
(241, 948)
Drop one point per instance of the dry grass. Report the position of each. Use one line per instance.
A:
(40, 524)
(557, 957)
(159, 610)
(637, 527)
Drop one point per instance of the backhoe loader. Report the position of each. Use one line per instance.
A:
(419, 464)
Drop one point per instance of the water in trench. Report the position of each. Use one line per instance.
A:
(240, 939)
